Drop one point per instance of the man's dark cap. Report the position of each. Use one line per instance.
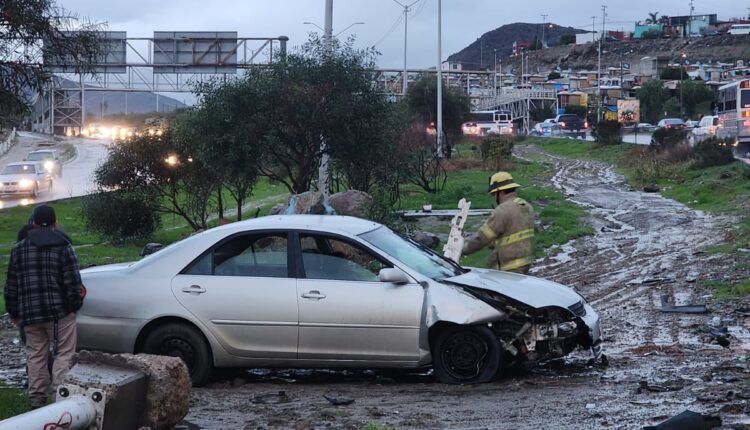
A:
(44, 216)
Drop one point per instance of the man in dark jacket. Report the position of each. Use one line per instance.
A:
(42, 294)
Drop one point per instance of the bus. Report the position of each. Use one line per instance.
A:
(733, 109)
(738, 29)
(486, 122)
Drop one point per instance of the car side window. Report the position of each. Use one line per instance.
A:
(253, 255)
(330, 258)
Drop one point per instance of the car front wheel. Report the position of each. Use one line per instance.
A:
(185, 342)
(466, 355)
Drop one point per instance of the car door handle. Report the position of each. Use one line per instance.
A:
(194, 289)
(314, 294)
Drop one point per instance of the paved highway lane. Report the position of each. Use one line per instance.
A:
(77, 179)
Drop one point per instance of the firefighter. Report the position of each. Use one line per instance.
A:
(510, 228)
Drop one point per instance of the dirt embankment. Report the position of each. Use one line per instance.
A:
(725, 48)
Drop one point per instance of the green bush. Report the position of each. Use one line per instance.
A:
(608, 132)
(496, 151)
(664, 138)
(578, 110)
(713, 152)
(121, 215)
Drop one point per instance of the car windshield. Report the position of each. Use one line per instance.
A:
(37, 156)
(16, 169)
(415, 256)
(673, 121)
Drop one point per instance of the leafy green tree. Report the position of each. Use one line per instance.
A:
(693, 94)
(567, 39)
(652, 95)
(553, 76)
(672, 107)
(23, 24)
(421, 100)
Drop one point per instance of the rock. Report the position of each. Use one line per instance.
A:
(351, 203)
(307, 203)
(150, 248)
(427, 239)
(653, 188)
(168, 392)
(725, 175)
(278, 209)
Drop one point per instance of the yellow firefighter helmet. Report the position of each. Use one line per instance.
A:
(502, 181)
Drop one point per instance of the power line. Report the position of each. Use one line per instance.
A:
(390, 30)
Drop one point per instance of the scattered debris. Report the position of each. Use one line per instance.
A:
(745, 312)
(721, 335)
(674, 385)
(280, 397)
(590, 405)
(687, 309)
(339, 401)
(687, 420)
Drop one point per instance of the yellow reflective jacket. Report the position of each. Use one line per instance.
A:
(510, 230)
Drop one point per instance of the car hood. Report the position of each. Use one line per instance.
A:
(106, 268)
(16, 177)
(535, 292)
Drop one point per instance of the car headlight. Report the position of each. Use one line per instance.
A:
(25, 183)
(49, 165)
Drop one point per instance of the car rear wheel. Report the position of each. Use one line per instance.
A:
(466, 355)
(185, 342)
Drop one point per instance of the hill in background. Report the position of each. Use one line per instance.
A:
(480, 54)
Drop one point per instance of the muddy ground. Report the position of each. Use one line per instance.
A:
(660, 364)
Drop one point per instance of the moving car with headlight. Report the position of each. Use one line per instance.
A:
(49, 159)
(25, 178)
(328, 292)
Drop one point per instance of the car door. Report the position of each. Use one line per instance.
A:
(241, 290)
(345, 312)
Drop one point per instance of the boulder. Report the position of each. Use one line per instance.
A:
(307, 203)
(351, 203)
(427, 239)
(278, 209)
(150, 248)
(653, 188)
(168, 384)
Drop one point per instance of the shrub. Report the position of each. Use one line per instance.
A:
(608, 132)
(664, 138)
(713, 152)
(496, 151)
(677, 154)
(121, 215)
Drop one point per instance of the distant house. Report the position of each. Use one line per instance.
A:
(640, 29)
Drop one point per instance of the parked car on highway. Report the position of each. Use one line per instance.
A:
(572, 124)
(49, 159)
(645, 127)
(668, 123)
(546, 129)
(25, 179)
(691, 124)
(328, 292)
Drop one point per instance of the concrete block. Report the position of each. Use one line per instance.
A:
(167, 384)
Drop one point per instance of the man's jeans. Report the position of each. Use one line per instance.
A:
(39, 339)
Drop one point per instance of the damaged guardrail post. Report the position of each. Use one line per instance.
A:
(115, 392)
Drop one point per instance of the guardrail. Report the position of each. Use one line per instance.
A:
(8, 143)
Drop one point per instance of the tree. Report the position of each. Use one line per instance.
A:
(653, 18)
(541, 113)
(672, 107)
(567, 39)
(421, 100)
(693, 94)
(28, 29)
(553, 75)
(652, 95)
(159, 167)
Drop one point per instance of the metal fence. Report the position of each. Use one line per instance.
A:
(8, 143)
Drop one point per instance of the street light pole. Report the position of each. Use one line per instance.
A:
(544, 21)
(439, 130)
(495, 74)
(682, 61)
(406, 33)
(324, 169)
(599, 67)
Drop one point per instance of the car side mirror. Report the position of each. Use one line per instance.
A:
(393, 276)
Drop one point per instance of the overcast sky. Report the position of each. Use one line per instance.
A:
(463, 20)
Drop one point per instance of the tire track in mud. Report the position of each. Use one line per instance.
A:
(645, 246)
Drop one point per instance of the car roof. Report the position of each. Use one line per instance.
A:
(332, 223)
(21, 163)
(41, 150)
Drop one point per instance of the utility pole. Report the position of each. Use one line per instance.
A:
(439, 125)
(324, 169)
(593, 29)
(690, 21)
(599, 71)
(495, 73)
(406, 33)
(544, 22)
(481, 53)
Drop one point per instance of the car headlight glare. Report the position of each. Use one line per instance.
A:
(25, 183)
(49, 165)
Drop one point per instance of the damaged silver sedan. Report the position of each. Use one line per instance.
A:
(328, 292)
